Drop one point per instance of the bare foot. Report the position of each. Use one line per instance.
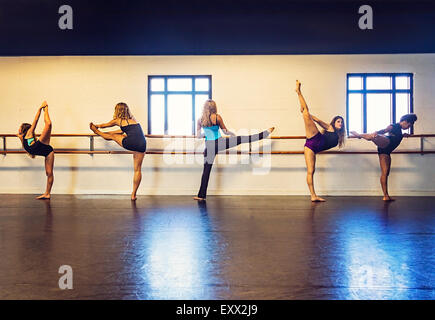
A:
(44, 104)
(43, 197)
(198, 199)
(298, 86)
(271, 129)
(298, 91)
(387, 198)
(93, 127)
(317, 199)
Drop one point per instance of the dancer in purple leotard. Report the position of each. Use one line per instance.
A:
(332, 135)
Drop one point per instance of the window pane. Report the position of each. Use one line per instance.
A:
(402, 82)
(355, 112)
(378, 111)
(355, 83)
(402, 105)
(157, 84)
(181, 84)
(199, 105)
(180, 114)
(157, 114)
(202, 84)
(378, 83)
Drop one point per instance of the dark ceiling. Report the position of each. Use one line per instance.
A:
(174, 27)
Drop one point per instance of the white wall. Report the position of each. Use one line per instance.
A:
(252, 92)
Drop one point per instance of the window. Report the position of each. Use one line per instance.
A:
(375, 100)
(175, 103)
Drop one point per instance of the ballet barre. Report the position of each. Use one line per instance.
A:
(92, 150)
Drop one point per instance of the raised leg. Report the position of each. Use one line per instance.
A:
(231, 142)
(310, 127)
(385, 163)
(46, 132)
(49, 164)
(310, 160)
(378, 139)
(117, 137)
(138, 159)
(213, 147)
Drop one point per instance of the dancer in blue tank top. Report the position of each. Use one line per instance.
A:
(211, 122)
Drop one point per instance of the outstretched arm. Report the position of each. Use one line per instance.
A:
(323, 124)
(116, 132)
(386, 130)
(109, 124)
(223, 127)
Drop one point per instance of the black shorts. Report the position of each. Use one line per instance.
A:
(390, 148)
(133, 143)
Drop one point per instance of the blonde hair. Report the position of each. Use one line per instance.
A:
(122, 112)
(209, 109)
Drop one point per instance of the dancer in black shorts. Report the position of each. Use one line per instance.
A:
(130, 137)
(387, 144)
(39, 147)
(211, 122)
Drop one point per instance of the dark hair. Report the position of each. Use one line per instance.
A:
(410, 118)
(341, 132)
(24, 128)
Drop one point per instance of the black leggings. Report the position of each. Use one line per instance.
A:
(212, 147)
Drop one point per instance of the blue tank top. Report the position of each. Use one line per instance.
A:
(212, 133)
(29, 141)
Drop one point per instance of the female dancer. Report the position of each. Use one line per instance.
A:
(41, 146)
(386, 145)
(331, 135)
(130, 137)
(214, 142)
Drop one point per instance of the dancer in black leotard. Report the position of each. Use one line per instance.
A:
(41, 146)
(210, 122)
(387, 144)
(130, 137)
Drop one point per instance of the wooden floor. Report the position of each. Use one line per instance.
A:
(170, 247)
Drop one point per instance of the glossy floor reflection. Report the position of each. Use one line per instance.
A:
(169, 247)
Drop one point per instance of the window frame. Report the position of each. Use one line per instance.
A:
(165, 92)
(391, 91)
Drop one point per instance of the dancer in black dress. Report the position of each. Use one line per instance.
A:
(130, 137)
(387, 144)
(39, 147)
